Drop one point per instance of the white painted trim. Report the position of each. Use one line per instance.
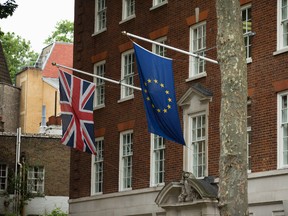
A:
(155, 5)
(120, 182)
(191, 58)
(279, 133)
(122, 88)
(92, 188)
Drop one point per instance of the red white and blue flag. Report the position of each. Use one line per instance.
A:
(76, 102)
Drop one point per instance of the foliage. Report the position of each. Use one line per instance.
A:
(18, 53)
(19, 185)
(10, 214)
(7, 8)
(64, 32)
(57, 212)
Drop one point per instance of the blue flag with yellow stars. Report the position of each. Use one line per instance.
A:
(157, 83)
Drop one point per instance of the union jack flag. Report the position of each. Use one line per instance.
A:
(76, 102)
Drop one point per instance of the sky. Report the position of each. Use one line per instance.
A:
(35, 20)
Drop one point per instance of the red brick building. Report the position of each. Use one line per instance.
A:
(145, 180)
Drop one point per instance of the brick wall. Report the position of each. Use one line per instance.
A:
(264, 74)
(40, 151)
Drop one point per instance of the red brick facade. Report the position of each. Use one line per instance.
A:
(267, 75)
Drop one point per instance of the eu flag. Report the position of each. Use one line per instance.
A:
(157, 83)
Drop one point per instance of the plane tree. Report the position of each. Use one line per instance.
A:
(232, 193)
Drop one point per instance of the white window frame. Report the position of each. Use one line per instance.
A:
(97, 167)
(35, 179)
(280, 125)
(126, 156)
(127, 74)
(157, 162)
(194, 62)
(249, 136)
(247, 31)
(3, 176)
(160, 50)
(128, 9)
(281, 46)
(158, 3)
(99, 96)
(100, 16)
(195, 141)
(194, 103)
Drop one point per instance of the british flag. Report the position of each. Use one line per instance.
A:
(76, 102)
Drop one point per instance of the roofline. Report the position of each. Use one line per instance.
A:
(11, 85)
(56, 42)
(26, 68)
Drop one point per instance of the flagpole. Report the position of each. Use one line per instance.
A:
(97, 76)
(170, 47)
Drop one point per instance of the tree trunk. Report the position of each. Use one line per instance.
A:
(232, 193)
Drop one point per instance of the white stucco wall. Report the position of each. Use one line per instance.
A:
(138, 202)
(267, 192)
(40, 205)
(44, 205)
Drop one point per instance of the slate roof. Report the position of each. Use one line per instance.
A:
(205, 187)
(4, 72)
(54, 82)
(202, 89)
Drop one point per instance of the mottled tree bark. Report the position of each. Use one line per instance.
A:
(232, 194)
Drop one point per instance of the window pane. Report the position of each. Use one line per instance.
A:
(128, 73)
(284, 9)
(36, 179)
(284, 131)
(198, 145)
(3, 176)
(130, 7)
(160, 50)
(284, 109)
(158, 159)
(285, 32)
(100, 84)
(101, 15)
(127, 142)
(285, 151)
(198, 46)
(247, 28)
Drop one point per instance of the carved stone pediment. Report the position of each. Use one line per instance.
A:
(195, 189)
(198, 91)
(189, 189)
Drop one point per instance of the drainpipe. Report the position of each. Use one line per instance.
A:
(17, 163)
